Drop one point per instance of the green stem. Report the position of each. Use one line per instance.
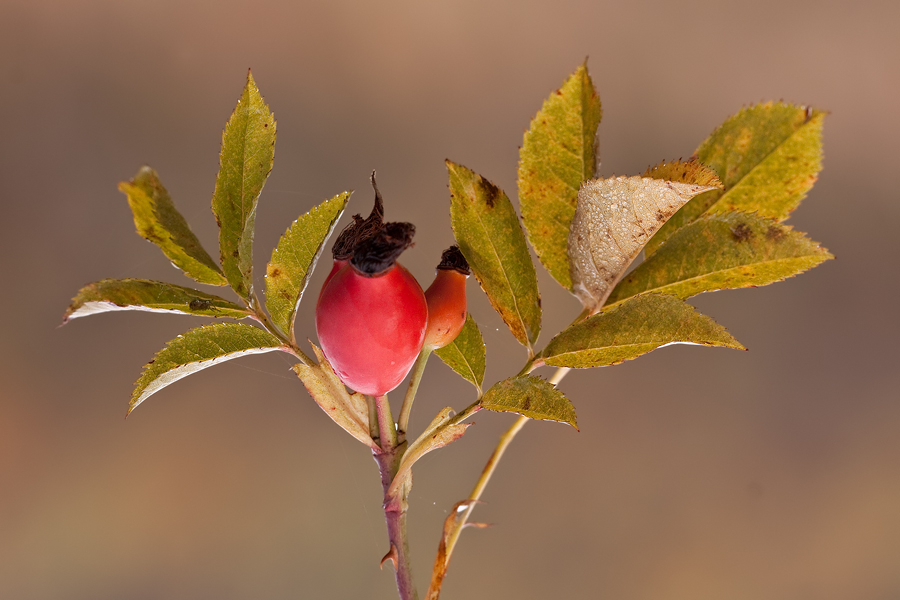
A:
(387, 432)
(416, 377)
(259, 314)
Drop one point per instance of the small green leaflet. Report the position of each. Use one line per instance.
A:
(558, 153)
(295, 257)
(634, 327)
(722, 251)
(531, 397)
(199, 349)
(350, 411)
(768, 156)
(466, 354)
(490, 237)
(158, 221)
(154, 296)
(248, 150)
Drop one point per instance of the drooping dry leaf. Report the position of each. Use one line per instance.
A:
(347, 410)
(613, 220)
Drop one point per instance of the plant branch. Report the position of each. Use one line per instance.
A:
(450, 538)
(387, 432)
(260, 315)
(418, 370)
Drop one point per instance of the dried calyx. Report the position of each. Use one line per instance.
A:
(360, 229)
(376, 255)
(453, 259)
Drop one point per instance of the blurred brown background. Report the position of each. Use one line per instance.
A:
(698, 473)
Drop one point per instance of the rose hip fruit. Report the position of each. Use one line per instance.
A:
(371, 314)
(446, 298)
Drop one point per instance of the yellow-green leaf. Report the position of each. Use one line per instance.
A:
(466, 354)
(767, 155)
(154, 296)
(531, 397)
(248, 149)
(614, 219)
(722, 251)
(490, 237)
(294, 259)
(558, 153)
(634, 327)
(158, 221)
(199, 349)
(350, 411)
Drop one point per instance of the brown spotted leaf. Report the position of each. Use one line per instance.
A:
(634, 327)
(558, 153)
(722, 251)
(768, 156)
(489, 235)
(531, 397)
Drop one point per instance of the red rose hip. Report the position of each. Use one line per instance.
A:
(371, 314)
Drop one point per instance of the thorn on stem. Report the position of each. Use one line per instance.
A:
(391, 555)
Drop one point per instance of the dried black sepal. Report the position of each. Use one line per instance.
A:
(376, 255)
(453, 260)
(360, 229)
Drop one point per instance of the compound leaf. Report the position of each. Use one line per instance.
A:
(490, 237)
(154, 296)
(531, 397)
(722, 251)
(768, 156)
(466, 354)
(558, 153)
(199, 349)
(158, 221)
(634, 327)
(248, 149)
(294, 259)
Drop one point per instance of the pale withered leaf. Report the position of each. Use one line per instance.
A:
(614, 218)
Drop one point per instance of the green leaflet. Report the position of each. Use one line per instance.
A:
(722, 251)
(154, 296)
(767, 155)
(490, 237)
(350, 411)
(466, 354)
(158, 221)
(199, 349)
(531, 397)
(559, 152)
(294, 259)
(248, 149)
(631, 328)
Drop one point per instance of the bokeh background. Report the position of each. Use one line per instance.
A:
(698, 473)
